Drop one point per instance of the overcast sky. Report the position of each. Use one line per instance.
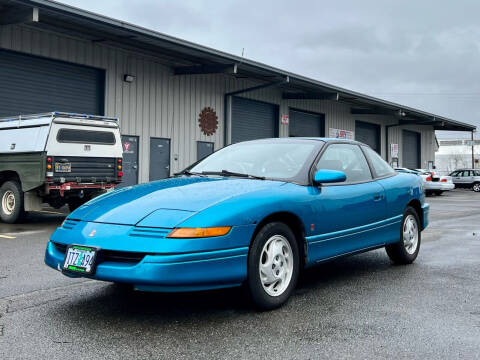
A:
(421, 53)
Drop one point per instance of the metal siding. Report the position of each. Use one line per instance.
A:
(125, 100)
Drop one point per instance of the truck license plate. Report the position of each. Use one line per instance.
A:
(80, 259)
(63, 167)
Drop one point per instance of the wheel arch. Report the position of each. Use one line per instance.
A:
(8, 175)
(295, 224)
(415, 204)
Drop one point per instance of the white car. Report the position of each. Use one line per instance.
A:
(435, 184)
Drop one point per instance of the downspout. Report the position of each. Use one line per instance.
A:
(227, 104)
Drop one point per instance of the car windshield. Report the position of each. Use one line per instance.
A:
(274, 160)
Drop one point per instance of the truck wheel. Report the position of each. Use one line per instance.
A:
(11, 199)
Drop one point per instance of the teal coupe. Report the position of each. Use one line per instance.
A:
(252, 214)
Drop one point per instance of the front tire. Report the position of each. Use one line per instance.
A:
(11, 202)
(273, 266)
(405, 251)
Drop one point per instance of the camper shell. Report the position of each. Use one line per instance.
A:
(56, 158)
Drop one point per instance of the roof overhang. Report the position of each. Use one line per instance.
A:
(189, 58)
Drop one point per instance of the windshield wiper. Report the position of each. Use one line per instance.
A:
(231, 173)
(189, 173)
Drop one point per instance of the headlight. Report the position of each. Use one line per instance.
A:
(199, 232)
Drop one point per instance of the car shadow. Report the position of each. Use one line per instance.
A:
(111, 301)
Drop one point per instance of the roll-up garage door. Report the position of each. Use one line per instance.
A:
(306, 124)
(31, 84)
(369, 134)
(253, 120)
(411, 150)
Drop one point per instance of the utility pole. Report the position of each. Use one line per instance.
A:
(473, 152)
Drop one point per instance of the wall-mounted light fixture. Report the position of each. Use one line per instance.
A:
(128, 78)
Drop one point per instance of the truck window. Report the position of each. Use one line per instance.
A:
(85, 136)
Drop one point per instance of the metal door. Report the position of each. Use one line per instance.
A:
(306, 124)
(130, 160)
(411, 150)
(369, 134)
(159, 158)
(204, 148)
(32, 84)
(252, 119)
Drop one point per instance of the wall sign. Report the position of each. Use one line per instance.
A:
(208, 121)
(394, 150)
(285, 119)
(340, 134)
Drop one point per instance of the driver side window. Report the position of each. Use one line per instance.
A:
(348, 158)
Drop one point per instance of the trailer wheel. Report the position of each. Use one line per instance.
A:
(11, 202)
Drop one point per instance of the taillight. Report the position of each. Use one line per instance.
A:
(120, 174)
(119, 164)
(444, 180)
(428, 178)
(49, 163)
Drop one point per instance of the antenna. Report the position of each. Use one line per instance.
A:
(243, 51)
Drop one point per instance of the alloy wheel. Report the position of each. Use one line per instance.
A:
(410, 234)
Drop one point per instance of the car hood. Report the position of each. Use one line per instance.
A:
(170, 201)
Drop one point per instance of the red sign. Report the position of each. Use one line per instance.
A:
(285, 119)
(126, 146)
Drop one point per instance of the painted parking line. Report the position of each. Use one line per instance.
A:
(7, 237)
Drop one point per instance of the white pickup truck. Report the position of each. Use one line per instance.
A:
(56, 158)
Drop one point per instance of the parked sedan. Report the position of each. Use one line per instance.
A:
(467, 178)
(253, 213)
(435, 184)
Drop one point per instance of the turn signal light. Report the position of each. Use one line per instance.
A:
(119, 167)
(199, 232)
(428, 178)
(49, 166)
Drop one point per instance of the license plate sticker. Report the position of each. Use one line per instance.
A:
(80, 259)
(63, 167)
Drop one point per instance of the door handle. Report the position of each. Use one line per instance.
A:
(378, 197)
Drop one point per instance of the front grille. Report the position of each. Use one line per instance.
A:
(130, 257)
(85, 169)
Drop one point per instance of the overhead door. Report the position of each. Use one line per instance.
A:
(31, 84)
(306, 124)
(369, 134)
(411, 149)
(253, 120)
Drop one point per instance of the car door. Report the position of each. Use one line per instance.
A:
(460, 179)
(346, 213)
(455, 177)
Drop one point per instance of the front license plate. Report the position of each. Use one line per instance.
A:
(80, 259)
(63, 167)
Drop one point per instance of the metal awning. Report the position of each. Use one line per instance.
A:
(189, 58)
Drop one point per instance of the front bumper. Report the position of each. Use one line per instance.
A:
(163, 264)
(426, 210)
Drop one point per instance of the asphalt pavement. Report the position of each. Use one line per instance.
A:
(353, 308)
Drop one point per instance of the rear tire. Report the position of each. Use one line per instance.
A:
(273, 266)
(438, 192)
(11, 202)
(405, 251)
(476, 187)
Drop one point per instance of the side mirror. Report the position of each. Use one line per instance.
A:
(329, 176)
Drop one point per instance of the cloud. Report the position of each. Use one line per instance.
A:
(424, 53)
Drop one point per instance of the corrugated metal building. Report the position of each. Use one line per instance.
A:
(56, 57)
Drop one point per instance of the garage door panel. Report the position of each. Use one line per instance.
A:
(31, 84)
(369, 134)
(411, 149)
(303, 124)
(253, 120)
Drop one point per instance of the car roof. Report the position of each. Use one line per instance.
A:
(322, 139)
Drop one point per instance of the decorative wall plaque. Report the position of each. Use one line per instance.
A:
(208, 121)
